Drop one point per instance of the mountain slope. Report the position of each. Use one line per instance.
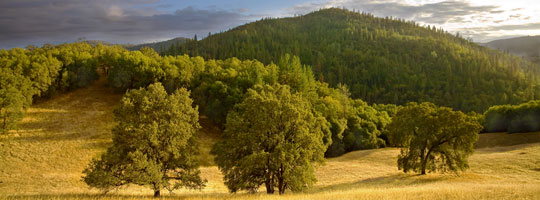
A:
(159, 46)
(382, 60)
(528, 47)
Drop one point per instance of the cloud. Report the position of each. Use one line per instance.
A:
(26, 22)
(437, 13)
(479, 22)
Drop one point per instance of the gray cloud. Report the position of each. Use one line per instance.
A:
(36, 22)
(438, 13)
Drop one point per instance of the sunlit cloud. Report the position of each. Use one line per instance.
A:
(479, 19)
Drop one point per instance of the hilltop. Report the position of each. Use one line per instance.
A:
(381, 60)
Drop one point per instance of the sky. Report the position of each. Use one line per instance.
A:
(36, 22)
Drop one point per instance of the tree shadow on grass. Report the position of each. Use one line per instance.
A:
(502, 149)
(396, 180)
(498, 141)
(70, 136)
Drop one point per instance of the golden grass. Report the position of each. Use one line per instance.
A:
(44, 159)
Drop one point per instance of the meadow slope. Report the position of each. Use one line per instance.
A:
(45, 158)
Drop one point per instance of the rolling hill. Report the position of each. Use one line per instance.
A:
(381, 60)
(44, 159)
(527, 47)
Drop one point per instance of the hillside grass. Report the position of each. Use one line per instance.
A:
(56, 140)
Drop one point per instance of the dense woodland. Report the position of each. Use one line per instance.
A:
(382, 60)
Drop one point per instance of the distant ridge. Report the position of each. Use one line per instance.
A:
(527, 47)
(159, 46)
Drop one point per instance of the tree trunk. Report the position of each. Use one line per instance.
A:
(269, 187)
(156, 193)
(281, 186)
(281, 181)
(4, 126)
(423, 159)
(424, 162)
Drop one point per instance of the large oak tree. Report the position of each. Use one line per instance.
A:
(273, 138)
(154, 143)
(433, 138)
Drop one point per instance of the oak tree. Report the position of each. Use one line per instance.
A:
(273, 138)
(433, 138)
(154, 143)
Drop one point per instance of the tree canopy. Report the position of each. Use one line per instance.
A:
(433, 138)
(154, 143)
(273, 138)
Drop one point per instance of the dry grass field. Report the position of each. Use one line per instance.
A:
(57, 139)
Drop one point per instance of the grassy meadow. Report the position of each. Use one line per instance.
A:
(45, 157)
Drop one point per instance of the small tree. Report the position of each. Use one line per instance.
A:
(272, 137)
(433, 138)
(154, 143)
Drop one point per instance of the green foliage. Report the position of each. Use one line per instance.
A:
(134, 69)
(273, 138)
(366, 126)
(513, 118)
(41, 72)
(15, 97)
(80, 63)
(224, 83)
(154, 143)
(433, 138)
(291, 72)
(354, 124)
(23, 74)
(382, 60)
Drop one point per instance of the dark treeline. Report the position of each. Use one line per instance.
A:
(382, 60)
(513, 118)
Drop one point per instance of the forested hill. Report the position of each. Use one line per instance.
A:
(528, 47)
(381, 60)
